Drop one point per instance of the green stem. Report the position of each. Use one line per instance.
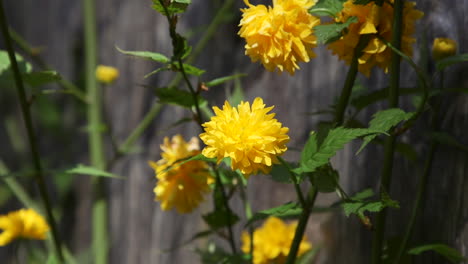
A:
(389, 148)
(422, 180)
(349, 82)
(219, 185)
(67, 85)
(40, 179)
(209, 33)
(300, 196)
(248, 215)
(300, 230)
(96, 146)
(141, 127)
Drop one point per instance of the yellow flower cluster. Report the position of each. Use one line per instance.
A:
(250, 136)
(443, 48)
(106, 74)
(375, 20)
(272, 242)
(180, 186)
(279, 36)
(24, 223)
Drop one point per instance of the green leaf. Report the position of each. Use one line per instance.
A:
(222, 80)
(160, 69)
(40, 78)
(286, 210)
(327, 7)
(331, 32)
(188, 69)
(384, 121)
(360, 203)
(88, 170)
(449, 253)
(237, 95)
(310, 148)
(449, 140)
(6, 75)
(280, 173)
(182, 161)
(334, 141)
(325, 179)
(220, 218)
(444, 63)
(147, 55)
(172, 95)
(174, 7)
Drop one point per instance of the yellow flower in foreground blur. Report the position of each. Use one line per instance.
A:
(180, 186)
(24, 223)
(279, 36)
(272, 242)
(375, 20)
(248, 135)
(106, 74)
(443, 48)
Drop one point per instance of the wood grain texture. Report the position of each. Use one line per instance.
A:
(140, 231)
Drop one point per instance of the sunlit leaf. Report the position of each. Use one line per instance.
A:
(331, 32)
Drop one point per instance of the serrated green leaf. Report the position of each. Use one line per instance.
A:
(174, 7)
(331, 32)
(280, 173)
(154, 56)
(449, 140)
(40, 78)
(362, 195)
(222, 80)
(172, 95)
(327, 7)
(449, 253)
(334, 141)
(384, 121)
(444, 63)
(360, 203)
(286, 210)
(310, 148)
(325, 179)
(88, 170)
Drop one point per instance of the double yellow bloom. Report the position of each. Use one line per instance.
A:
(24, 223)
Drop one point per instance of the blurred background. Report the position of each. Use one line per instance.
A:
(139, 231)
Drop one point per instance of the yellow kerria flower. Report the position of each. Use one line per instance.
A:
(272, 242)
(443, 48)
(181, 186)
(248, 135)
(106, 74)
(24, 223)
(279, 36)
(375, 20)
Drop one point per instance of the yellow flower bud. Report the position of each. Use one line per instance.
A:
(106, 74)
(443, 48)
